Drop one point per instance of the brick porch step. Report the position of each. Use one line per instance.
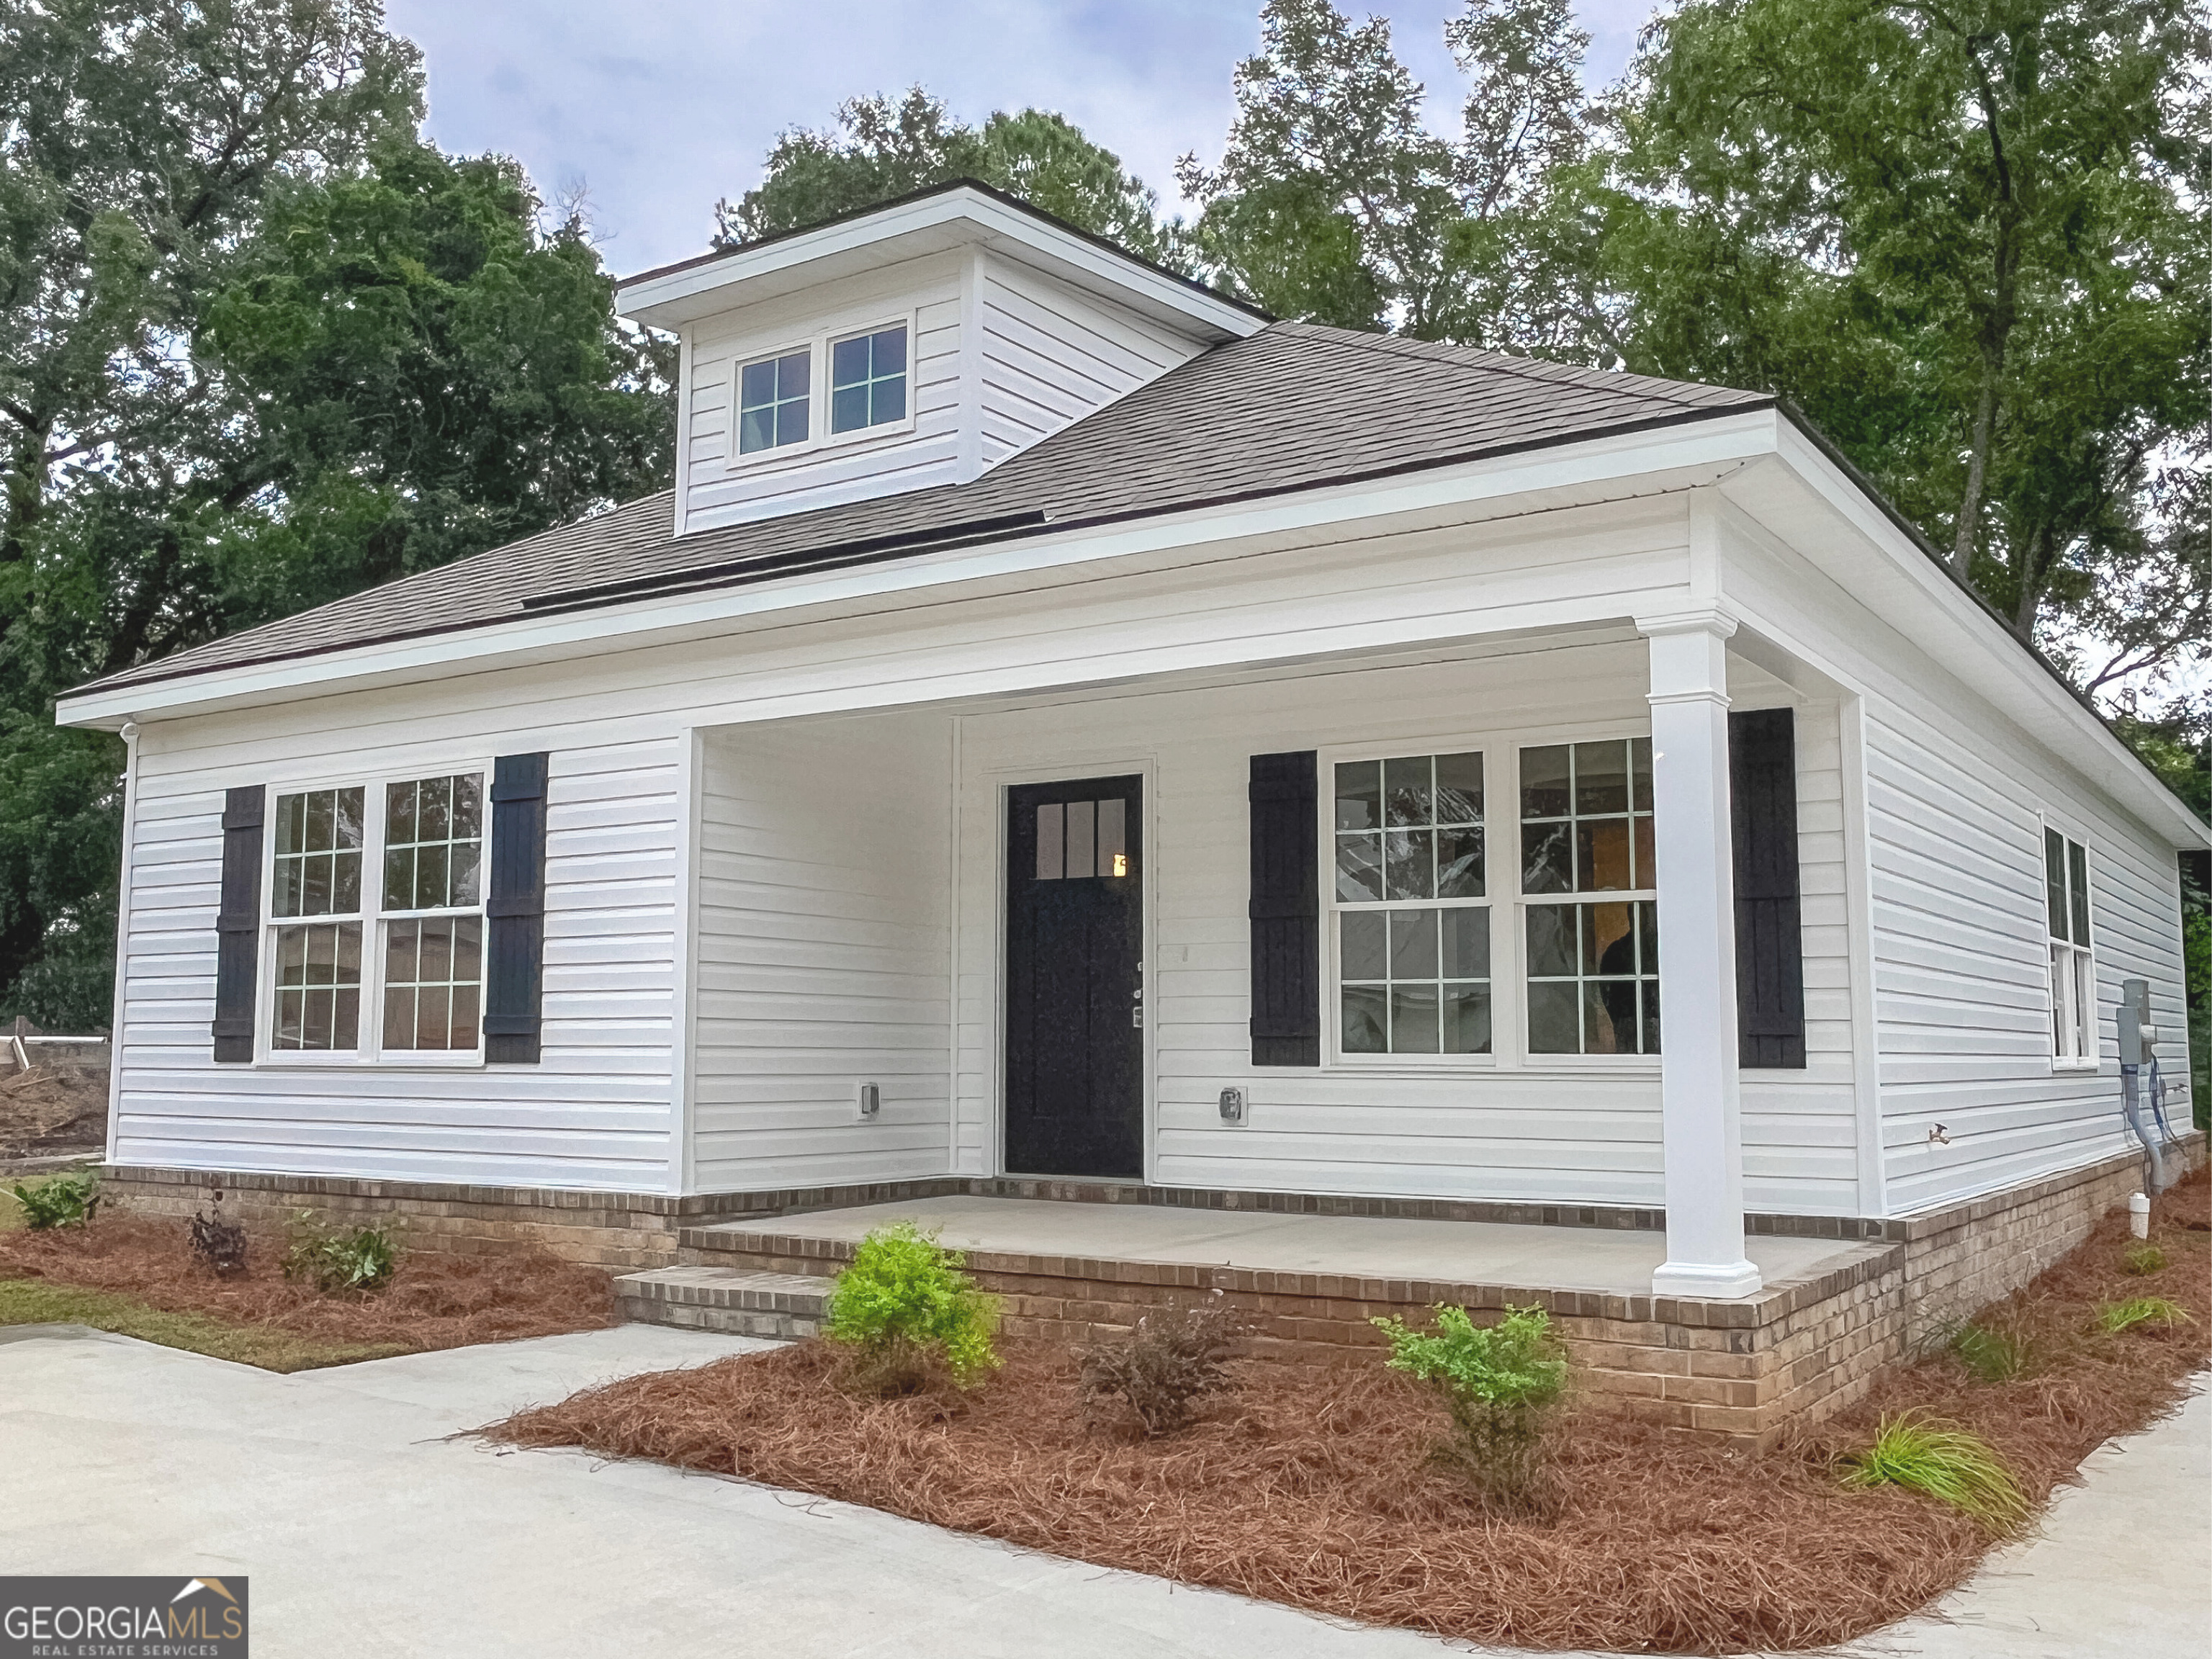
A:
(736, 1300)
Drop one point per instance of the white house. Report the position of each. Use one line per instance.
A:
(1062, 723)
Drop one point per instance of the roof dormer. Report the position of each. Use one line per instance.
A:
(916, 344)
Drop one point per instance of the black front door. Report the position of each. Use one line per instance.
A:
(1075, 1012)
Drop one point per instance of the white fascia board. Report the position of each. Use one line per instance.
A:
(1651, 462)
(1978, 647)
(932, 224)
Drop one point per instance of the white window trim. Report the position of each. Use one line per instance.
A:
(819, 438)
(370, 1053)
(2083, 959)
(1508, 1002)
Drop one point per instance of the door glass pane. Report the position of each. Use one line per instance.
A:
(1082, 837)
(1052, 841)
(1114, 837)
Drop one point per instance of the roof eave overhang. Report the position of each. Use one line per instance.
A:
(958, 217)
(1607, 468)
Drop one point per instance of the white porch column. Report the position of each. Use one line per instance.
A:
(1702, 1129)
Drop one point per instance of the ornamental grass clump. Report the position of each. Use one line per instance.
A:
(2113, 1317)
(2143, 1260)
(1988, 1354)
(1949, 1464)
(908, 1312)
(1502, 1383)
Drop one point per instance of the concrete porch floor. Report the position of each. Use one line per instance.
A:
(1610, 1262)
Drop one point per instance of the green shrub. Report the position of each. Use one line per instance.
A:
(2144, 1260)
(1988, 1354)
(905, 1307)
(353, 1259)
(2113, 1317)
(61, 1200)
(1502, 1384)
(1950, 1465)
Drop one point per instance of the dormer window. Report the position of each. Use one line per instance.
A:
(773, 402)
(868, 379)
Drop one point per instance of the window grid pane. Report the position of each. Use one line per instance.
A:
(318, 1003)
(1586, 825)
(433, 982)
(1414, 980)
(434, 843)
(317, 863)
(867, 381)
(774, 402)
(1593, 978)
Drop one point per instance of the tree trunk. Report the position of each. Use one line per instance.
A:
(1977, 459)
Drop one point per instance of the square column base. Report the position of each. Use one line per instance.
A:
(1723, 1282)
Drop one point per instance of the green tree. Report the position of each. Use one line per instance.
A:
(258, 347)
(1334, 201)
(876, 150)
(1968, 240)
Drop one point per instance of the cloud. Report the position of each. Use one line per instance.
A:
(661, 108)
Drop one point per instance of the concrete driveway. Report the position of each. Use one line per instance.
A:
(365, 1531)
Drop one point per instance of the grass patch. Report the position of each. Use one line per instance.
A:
(11, 1212)
(29, 1301)
(2143, 1260)
(2114, 1317)
(1949, 1464)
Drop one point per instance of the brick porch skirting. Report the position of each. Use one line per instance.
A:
(1741, 1370)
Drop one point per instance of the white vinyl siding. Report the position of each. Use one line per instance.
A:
(594, 1113)
(1962, 954)
(1050, 355)
(823, 893)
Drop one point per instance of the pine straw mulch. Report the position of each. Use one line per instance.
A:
(1312, 1484)
(431, 1301)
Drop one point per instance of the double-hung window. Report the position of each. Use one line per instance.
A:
(1593, 959)
(2073, 969)
(1411, 906)
(376, 908)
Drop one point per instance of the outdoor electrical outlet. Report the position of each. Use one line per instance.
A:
(871, 1101)
(1232, 1105)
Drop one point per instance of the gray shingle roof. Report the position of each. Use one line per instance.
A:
(1292, 407)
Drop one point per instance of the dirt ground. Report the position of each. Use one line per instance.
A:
(49, 1113)
(1316, 1482)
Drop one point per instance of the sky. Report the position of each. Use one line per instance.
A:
(658, 107)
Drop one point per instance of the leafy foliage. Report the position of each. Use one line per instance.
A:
(877, 149)
(332, 1260)
(69, 1198)
(905, 1307)
(1168, 1360)
(1501, 1382)
(1949, 1464)
(259, 346)
(2113, 1317)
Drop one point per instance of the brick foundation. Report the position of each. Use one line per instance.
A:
(1741, 1369)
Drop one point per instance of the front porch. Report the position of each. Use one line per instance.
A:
(1075, 1269)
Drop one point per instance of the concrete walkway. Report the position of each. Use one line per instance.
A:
(364, 1530)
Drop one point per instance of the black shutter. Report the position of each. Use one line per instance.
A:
(515, 910)
(238, 922)
(1286, 910)
(1769, 946)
